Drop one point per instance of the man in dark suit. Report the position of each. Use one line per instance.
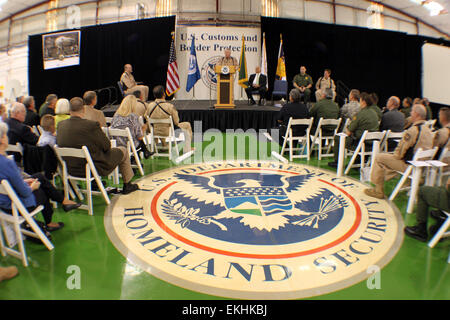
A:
(32, 118)
(18, 132)
(77, 132)
(294, 109)
(257, 83)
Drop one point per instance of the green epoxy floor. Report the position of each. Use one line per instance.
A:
(416, 272)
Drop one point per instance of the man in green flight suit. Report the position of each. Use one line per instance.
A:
(366, 119)
(326, 108)
(374, 106)
(303, 82)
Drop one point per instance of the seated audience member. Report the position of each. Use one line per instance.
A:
(387, 165)
(366, 119)
(374, 106)
(161, 109)
(256, 83)
(126, 117)
(3, 114)
(48, 137)
(393, 119)
(18, 132)
(49, 105)
(351, 108)
(77, 132)
(326, 108)
(436, 197)
(20, 99)
(441, 140)
(304, 83)
(425, 102)
(90, 113)
(324, 83)
(441, 137)
(407, 105)
(7, 273)
(294, 109)
(130, 84)
(32, 191)
(141, 106)
(32, 118)
(62, 111)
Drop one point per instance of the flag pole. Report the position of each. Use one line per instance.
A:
(173, 38)
(243, 48)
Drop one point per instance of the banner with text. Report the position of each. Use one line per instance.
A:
(210, 43)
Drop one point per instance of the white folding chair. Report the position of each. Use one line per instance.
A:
(35, 130)
(442, 232)
(90, 175)
(324, 141)
(437, 171)
(346, 123)
(413, 172)
(15, 148)
(108, 120)
(171, 139)
(19, 215)
(361, 149)
(131, 147)
(390, 136)
(289, 138)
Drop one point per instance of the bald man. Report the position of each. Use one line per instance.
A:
(393, 119)
(131, 85)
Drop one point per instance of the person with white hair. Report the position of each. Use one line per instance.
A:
(387, 165)
(62, 111)
(393, 119)
(18, 132)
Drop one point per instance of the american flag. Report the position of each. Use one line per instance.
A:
(173, 80)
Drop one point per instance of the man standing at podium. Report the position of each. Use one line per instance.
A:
(228, 60)
(127, 79)
(256, 83)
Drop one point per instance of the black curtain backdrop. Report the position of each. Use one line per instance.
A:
(387, 63)
(105, 49)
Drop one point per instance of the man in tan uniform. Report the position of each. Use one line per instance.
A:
(442, 135)
(90, 113)
(131, 85)
(323, 83)
(141, 106)
(161, 109)
(386, 165)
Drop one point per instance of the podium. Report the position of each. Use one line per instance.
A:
(225, 84)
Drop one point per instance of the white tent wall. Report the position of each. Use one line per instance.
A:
(14, 32)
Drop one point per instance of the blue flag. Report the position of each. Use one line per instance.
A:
(193, 72)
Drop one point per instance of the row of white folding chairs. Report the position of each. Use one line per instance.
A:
(309, 141)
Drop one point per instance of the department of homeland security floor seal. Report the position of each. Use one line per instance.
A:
(254, 230)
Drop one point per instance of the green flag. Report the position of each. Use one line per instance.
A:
(243, 79)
